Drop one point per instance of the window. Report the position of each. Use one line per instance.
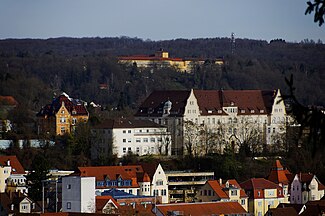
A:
(68, 205)
(163, 192)
(138, 150)
(209, 192)
(130, 191)
(138, 140)
(159, 182)
(152, 139)
(124, 131)
(62, 120)
(259, 203)
(124, 140)
(129, 140)
(233, 192)
(145, 139)
(242, 202)
(62, 111)
(69, 186)
(124, 150)
(129, 149)
(62, 130)
(74, 121)
(129, 131)
(258, 193)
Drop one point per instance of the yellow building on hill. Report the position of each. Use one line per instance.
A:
(62, 115)
(161, 59)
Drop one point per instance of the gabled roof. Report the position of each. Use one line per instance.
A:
(256, 186)
(234, 183)
(278, 174)
(74, 106)
(127, 123)
(210, 102)
(133, 172)
(206, 208)
(214, 184)
(101, 202)
(16, 167)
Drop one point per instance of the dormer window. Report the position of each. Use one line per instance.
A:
(219, 111)
(209, 111)
(242, 111)
(252, 111)
(62, 111)
(74, 112)
(262, 111)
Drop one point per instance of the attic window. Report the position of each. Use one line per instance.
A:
(261, 111)
(210, 111)
(74, 112)
(219, 111)
(232, 103)
(62, 111)
(242, 111)
(252, 111)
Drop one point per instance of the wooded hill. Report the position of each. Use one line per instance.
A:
(33, 70)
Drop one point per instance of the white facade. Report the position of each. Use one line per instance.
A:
(159, 185)
(138, 140)
(302, 192)
(78, 194)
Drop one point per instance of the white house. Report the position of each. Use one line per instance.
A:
(128, 135)
(305, 187)
(12, 175)
(78, 194)
(219, 117)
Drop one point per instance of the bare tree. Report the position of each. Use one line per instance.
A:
(192, 133)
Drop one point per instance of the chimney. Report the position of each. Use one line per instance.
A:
(8, 162)
(220, 181)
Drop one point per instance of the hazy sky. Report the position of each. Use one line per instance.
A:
(158, 19)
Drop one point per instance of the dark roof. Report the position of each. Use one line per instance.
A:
(153, 105)
(127, 123)
(70, 104)
(288, 211)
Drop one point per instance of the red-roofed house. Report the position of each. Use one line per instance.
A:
(235, 193)
(106, 205)
(62, 115)
(263, 194)
(207, 208)
(212, 191)
(131, 179)
(223, 117)
(12, 175)
(305, 187)
(278, 175)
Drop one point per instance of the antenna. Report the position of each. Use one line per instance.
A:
(233, 43)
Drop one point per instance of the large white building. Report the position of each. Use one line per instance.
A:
(205, 121)
(78, 194)
(121, 136)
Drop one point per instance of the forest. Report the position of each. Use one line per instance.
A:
(34, 71)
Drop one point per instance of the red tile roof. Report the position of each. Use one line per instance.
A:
(133, 172)
(256, 187)
(278, 174)
(101, 201)
(210, 102)
(206, 208)
(236, 184)
(17, 168)
(214, 184)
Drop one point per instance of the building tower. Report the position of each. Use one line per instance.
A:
(233, 43)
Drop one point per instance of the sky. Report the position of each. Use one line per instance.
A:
(158, 19)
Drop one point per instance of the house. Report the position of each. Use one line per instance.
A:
(279, 175)
(206, 208)
(305, 187)
(235, 192)
(121, 136)
(159, 181)
(183, 185)
(205, 121)
(263, 195)
(12, 175)
(15, 203)
(161, 59)
(62, 115)
(131, 179)
(106, 205)
(214, 190)
(78, 194)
